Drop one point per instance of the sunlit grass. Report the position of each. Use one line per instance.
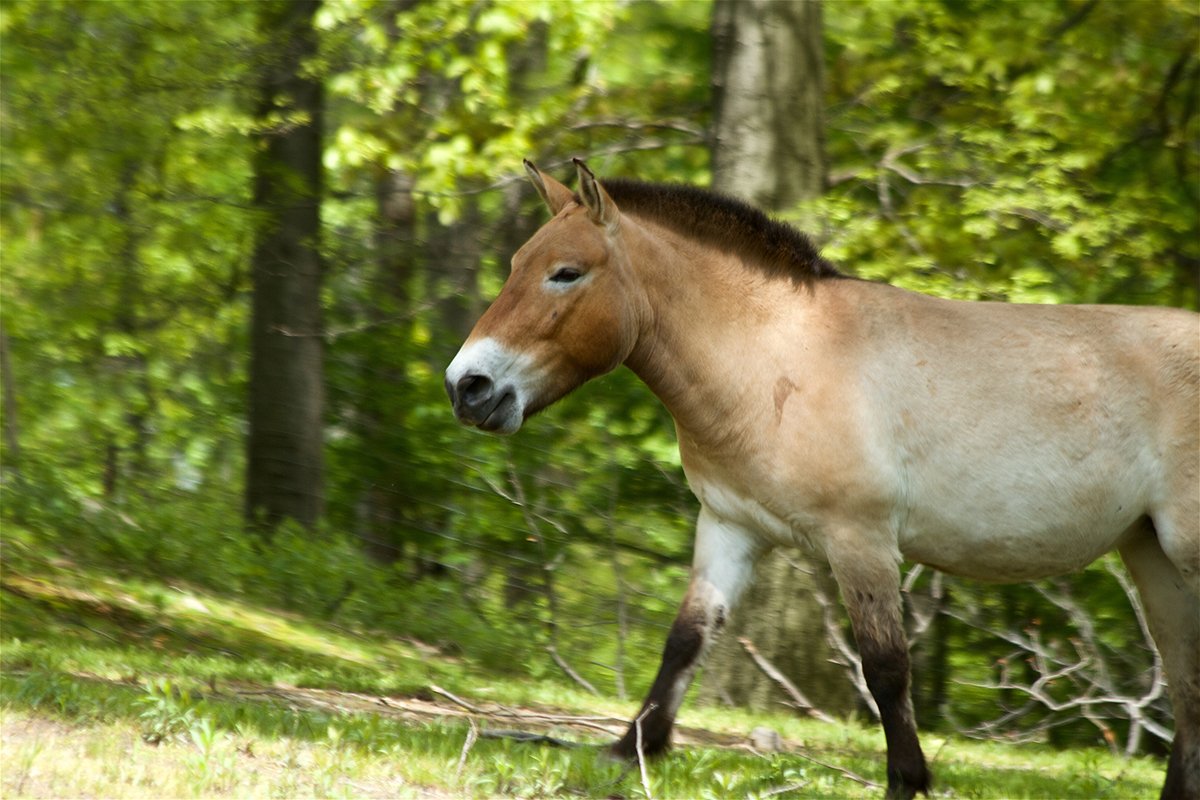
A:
(132, 687)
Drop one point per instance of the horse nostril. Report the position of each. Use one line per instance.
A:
(474, 389)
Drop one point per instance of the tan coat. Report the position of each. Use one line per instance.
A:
(995, 441)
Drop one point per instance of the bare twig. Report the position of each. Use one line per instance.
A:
(870, 784)
(1157, 681)
(771, 671)
(571, 673)
(675, 126)
(891, 162)
(922, 609)
(330, 334)
(1075, 683)
(532, 516)
(791, 787)
(1037, 216)
(641, 758)
(472, 735)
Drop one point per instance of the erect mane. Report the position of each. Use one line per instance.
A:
(726, 223)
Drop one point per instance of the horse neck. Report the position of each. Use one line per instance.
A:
(711, 340)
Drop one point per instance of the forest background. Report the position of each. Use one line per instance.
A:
(242, 240)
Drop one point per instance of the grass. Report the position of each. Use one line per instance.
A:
(127, 686)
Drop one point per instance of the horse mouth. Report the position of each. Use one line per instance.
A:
(501, 419)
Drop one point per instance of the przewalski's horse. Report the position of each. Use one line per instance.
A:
(995, 441)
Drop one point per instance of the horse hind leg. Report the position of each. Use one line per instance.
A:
(1178, 524)
(1172, 609)
(1177, 514)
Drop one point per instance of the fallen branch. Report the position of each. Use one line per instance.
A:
(502, 711)
(518, 736)
(531, 738)
(580, 721)
(455, 699)
(771, 671)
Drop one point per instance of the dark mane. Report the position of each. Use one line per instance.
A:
(726, 223)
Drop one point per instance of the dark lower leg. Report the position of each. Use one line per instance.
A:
(1175, 787)
(887, 672)
(870, 584)
(681, 655)
(722, 565)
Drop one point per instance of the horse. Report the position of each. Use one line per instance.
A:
(995, 441)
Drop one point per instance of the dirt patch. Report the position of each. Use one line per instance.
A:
(26, 728)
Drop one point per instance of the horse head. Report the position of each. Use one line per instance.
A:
(567, 313)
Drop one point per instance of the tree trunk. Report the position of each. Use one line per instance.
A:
(284, 477)
(768, 148)
(454, 252)
(768, 92)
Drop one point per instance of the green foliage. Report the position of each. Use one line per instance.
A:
(326, 575)
(1039, 152)
(168, 713)
(1036, 152)
(124, 243)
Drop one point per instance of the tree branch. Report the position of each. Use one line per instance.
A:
(798, 699)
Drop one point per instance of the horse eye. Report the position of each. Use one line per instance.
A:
(566, 275)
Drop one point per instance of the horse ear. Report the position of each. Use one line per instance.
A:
(601, 208)
(553, 193)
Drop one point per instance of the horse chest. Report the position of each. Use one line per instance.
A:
(758, 501)
(789, 485)
(735, 506)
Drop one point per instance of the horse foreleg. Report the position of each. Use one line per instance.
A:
(869, 578)
(721, 567)
(1173, 614)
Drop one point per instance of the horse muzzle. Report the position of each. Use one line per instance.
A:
(478, 402)
(483, 382)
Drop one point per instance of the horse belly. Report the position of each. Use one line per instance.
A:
(1011, 530)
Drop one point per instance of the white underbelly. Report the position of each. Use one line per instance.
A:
(981, 527)
(1001, 537)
